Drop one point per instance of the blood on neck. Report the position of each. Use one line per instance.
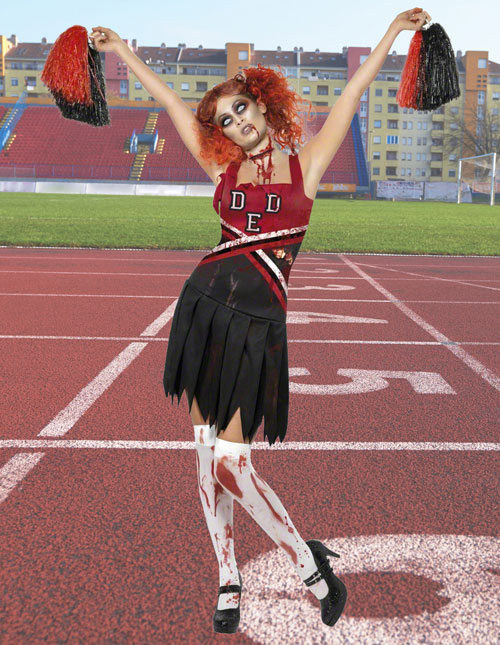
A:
(259, 161)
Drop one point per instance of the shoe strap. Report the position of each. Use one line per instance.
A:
(230, 589)
(319, 574)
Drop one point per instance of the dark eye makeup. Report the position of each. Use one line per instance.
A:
(223, 122)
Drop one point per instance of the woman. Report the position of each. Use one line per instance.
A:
(228, 347)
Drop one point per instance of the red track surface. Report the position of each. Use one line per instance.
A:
(391, 455)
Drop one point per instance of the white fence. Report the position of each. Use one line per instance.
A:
(108, 188)
(443, 191)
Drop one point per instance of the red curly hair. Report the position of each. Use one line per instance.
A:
(262, 85)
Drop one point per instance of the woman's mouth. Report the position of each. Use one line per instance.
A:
(246, 129)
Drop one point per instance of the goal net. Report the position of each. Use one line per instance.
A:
(479, 179)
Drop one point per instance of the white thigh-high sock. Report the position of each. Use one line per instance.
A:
(234, 470)
(218, 508)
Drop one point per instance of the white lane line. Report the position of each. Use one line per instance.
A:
(19, 465)
(186, 275)
(162, 320)
(15, 470)
(378, 300)
(69, 415)
(300, 260)
(312, 254)
(469, 283)
(475, 365)
(86, 295)
(92, 444)
(151, 339)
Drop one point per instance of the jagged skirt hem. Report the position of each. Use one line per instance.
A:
(228, 360)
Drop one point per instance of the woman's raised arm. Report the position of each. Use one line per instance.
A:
(182, 116)
(321, 149)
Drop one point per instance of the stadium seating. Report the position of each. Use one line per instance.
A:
(46, 145)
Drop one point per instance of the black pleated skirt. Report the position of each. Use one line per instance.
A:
(228, 360)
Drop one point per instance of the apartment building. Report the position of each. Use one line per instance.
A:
(399, 143)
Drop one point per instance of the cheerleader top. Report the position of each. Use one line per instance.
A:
(262, 229)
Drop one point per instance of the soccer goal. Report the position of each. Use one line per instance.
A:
(478, 176)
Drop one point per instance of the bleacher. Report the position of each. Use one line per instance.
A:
(46, 145)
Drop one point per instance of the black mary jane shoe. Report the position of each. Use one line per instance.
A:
(333, 603)
(226, 621)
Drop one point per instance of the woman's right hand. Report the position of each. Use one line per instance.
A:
(109, 42)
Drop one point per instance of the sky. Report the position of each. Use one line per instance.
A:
(327, 25)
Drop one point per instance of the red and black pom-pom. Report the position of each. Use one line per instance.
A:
(430, 76)
(73, 75)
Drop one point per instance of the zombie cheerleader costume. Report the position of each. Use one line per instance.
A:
(228, 341)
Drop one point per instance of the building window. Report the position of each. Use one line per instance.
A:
(376, 155)
(392, 124)
(392, 107)
(481, 63)
(376, 171)
(402, 172)
(243, 55)
(452, 158)
(392, 138)
(377, 124)
(138, 86)
(184, 86)
(410, 125)
(378, 107)
(417, 172)
(410, 141)
(451, 173)
(362, 108)
(408, 172)
(454, 110)
(422, 172)
(337, 91)
(436, 172)
(306, 89)
(376, 139)
(201, 86)
(390, 170)
(424, 156)
(424, 141)
(391, 155)
(392, 92)
(322, 90)
(418, 156)
(378, 91)
(170, 85)
(14, 81)
(403, 156)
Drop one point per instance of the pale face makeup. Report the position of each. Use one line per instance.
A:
(236, 112)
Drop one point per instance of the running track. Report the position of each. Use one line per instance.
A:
(391, 456)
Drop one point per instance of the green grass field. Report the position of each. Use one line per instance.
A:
(99, 221)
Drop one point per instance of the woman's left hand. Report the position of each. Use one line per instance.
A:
(413, 19)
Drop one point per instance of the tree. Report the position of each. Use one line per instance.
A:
(477, 132)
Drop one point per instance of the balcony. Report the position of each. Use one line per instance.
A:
(436, 164)
(436, 116)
